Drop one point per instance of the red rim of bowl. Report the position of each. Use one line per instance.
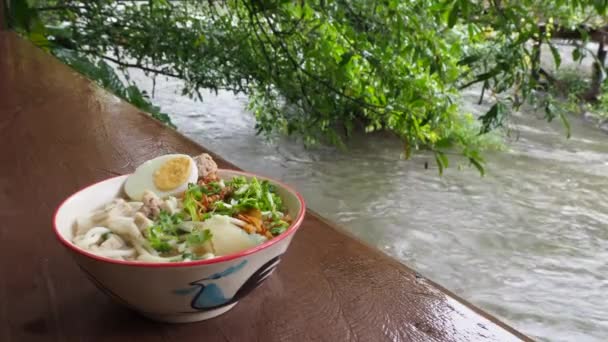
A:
(292, 229)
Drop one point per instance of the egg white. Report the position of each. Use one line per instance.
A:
(143, 178)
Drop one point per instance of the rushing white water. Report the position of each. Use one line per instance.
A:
(528, 242)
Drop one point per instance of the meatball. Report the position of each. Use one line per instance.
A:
(206, 166)
(152, 205)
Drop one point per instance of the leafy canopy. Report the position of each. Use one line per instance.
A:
(322, 68)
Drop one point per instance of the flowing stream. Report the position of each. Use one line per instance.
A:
(528, 242)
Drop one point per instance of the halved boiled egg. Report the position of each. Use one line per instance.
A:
(166, 175)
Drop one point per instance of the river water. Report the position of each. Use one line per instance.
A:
(528, 242)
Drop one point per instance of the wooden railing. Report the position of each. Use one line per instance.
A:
(60, 132)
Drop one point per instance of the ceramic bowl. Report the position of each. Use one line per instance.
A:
(175, 292)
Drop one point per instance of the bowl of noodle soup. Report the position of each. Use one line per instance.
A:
(175, 285)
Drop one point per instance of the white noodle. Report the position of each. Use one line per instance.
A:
(114, 253)
(91, 237)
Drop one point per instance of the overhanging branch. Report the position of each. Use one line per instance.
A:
(599, 34)
(131, 65)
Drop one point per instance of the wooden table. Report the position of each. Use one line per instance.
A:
(59, 132)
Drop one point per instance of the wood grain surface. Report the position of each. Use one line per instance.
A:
(59, 132)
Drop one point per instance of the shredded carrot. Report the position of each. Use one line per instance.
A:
(249, 228)
(241, 217)
(255, 213)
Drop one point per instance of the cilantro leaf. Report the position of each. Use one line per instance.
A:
(199, 237)
(158, 239)
(211, 188)
(278, 227)
(163, 231)
(223, 208)
(255, 194)
(192, 194)
(277, 230)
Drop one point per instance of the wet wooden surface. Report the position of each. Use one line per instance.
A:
(59, 132)
(2, 16)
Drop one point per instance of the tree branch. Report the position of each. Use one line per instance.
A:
(58, 8)
(547, 75)
(599, 34)
(130, 65)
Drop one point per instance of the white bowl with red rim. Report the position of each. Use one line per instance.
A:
(176, 292)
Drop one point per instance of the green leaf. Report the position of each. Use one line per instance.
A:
(565, 122)
(600, 6)
(345, 58)
(549, 111)
(468, 60)
(407, 149)
(557, 58)
(444, 143)
(200, 40)
(478, 165)
(453, 14)
(576, 54)
(419, 103)
(442, 161)
(493, 118)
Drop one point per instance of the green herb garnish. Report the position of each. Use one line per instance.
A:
(192, 195)
(254, 194)
(158, 239)
(164, 231)
(278, 227)
(197, 238)
(195, 193)
(211, 188)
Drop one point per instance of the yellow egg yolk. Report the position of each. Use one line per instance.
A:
(173, 173)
